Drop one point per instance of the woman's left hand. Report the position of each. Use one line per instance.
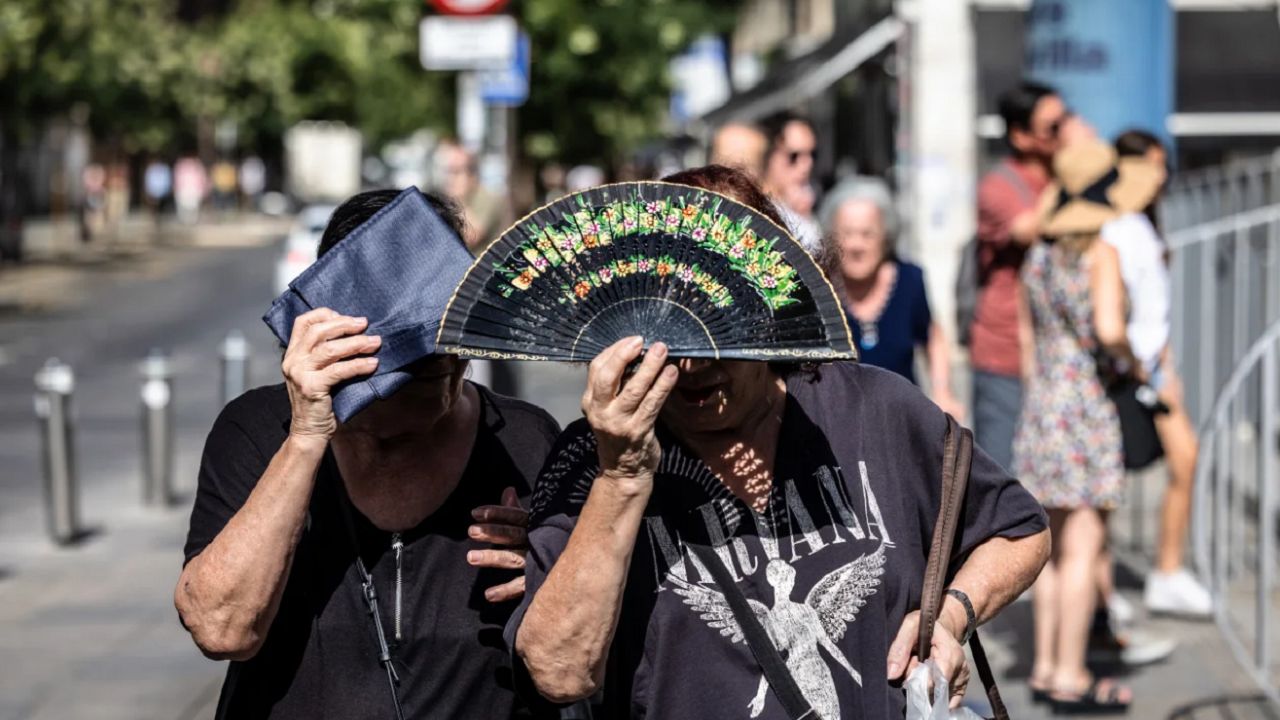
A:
(501, 525)
(945, 651)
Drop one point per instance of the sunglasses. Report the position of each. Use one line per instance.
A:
(794, 156)
(1055, 127)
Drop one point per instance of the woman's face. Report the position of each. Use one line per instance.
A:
(717, 395)
(1158, 158)
(419, 404)
(858, 228)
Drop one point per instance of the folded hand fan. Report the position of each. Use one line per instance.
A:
(706, 275)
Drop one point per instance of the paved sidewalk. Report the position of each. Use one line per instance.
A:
(1200, 681)
(90, 632)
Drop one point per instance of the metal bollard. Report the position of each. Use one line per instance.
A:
(235, 366)
(54, 384)
(157, 429)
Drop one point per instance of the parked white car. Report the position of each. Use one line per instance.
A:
(300, 247)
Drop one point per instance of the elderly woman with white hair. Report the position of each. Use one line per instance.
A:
(884, 296)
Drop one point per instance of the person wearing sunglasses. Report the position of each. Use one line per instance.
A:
(788, 171)
(1035, 119)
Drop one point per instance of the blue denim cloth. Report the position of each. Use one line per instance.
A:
(399, 270)
(997, 402)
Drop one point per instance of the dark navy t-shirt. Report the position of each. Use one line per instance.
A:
(903, 325)
(832, 566)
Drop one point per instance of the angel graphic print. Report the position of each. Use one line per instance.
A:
(830, 567)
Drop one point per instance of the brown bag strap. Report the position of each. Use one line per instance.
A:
(957, 457)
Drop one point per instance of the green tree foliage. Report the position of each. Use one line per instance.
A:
(599, 76)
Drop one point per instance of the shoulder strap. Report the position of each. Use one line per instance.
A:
(370, 595)
(957, 457)
(766, 654)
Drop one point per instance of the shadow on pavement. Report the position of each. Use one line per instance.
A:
(1227, 706)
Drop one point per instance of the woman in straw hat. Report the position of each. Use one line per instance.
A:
(1068, 445)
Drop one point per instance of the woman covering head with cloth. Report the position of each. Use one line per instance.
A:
(817, 489)
(1068, 445)
(340, 552)
(884, 296)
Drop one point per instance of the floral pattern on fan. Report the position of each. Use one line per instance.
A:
(747, 252)
(660, 266)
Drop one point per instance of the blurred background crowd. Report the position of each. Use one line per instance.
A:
(168, 166)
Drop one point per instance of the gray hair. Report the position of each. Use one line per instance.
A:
(868, 189)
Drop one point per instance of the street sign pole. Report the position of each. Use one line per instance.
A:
(471, 112)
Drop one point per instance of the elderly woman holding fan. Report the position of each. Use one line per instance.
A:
(734, 526)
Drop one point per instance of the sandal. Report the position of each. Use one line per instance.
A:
(1102, 698)
(1040, 690)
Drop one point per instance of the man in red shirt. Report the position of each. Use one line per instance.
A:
(1034, 116)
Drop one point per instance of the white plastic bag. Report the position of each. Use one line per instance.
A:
(919, 707)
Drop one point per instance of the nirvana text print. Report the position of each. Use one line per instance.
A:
(805, 624)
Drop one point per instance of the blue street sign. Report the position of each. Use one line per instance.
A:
(508, 87)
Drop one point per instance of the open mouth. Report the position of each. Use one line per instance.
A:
(697, 396)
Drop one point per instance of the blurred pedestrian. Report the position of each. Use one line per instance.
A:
(1007, 225)
(553, 179)
(1068, 448)
(482, 208)
(157, 182)
(583, 177)
(224, 185)
(790, 151)
(1170, 588)
(190, 185)
(311, 508)
(253, 180)
(118, 192)
(741, 146)
(884, 296)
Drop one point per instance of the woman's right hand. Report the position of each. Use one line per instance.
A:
(623, 416)
(316, 360)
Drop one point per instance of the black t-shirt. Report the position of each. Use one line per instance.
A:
(831, 567)
(320, 657)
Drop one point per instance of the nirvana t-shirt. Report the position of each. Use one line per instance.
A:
(320, 657)
(831, 567)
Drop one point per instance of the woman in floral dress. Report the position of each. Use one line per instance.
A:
(1067, 449)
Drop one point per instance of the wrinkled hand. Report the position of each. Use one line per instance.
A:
(316, 360)
(623, 419)
(501, 525)
(945, 651)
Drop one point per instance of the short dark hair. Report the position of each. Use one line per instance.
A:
(775, 126)
(357, 210)
(1136, 143)
(1017, 104)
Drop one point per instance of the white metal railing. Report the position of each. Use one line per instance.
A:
(1235, 507)
(1223, 229)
